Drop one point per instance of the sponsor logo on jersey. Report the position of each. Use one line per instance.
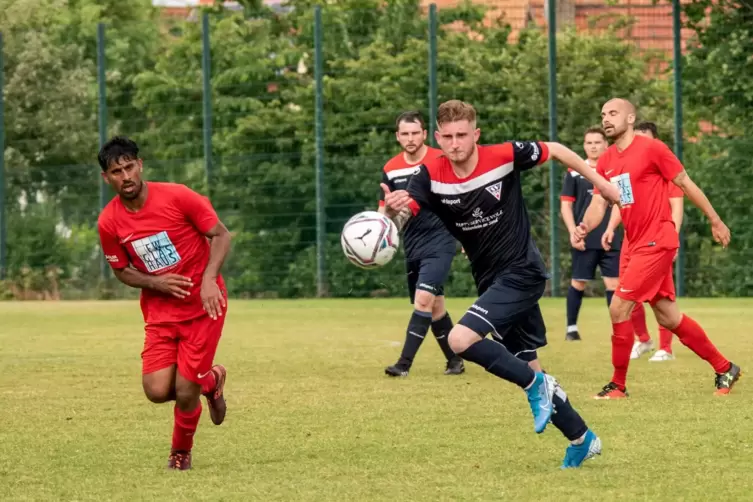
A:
(450, 202)
(495, 190)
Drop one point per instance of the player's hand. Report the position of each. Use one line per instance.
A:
(581, 231)
(610, 192)
(721, 233)
(577, 242)
(606, 239)
(176, 285)
(677, 253)
(212, 299)
(397, 200)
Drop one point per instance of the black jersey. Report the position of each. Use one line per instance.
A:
(579, 191)
(424, 235)
(486, 211)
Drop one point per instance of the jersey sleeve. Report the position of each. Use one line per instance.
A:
(528, 154)
(419, 190)
(386, 180)
(667, 162)
(113, 250)
(568, 188)
(675, 192)
(197, 209)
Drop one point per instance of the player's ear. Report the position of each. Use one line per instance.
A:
(476, 135)
(141, 165)
(425, 135)
(104, 177)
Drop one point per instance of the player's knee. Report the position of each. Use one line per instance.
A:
(438, 311)
(158, 391)
(619, 309)
(611, 283)
(424, 301)
(187, 394)
(461, 338)
(579, 285)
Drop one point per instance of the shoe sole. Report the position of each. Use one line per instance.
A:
(217, 413)
(550, 386)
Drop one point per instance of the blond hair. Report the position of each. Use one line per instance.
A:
(454, 111)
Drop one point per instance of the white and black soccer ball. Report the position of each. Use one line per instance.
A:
(370, 239)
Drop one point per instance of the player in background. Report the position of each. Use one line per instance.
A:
(167, 240)
(429, 251)
(641, 168)
(588, 254)
(643, 343)
(476, 191)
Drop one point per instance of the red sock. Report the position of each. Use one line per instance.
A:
(185, 427)
(665, 339)
(622, 344)
(208, 383)
(638, 318)
(691, 334)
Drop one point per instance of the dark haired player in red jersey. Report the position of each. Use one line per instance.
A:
(476, 191)
(643, 342)
(429, 251)
(641, 167)
(167, 240)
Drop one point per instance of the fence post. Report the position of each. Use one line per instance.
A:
(553, 167)
(321, 281)
(3, 244)
(432, 73)
(677, 57)
(206, 70)
(102, 123)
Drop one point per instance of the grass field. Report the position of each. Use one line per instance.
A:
(313, 417)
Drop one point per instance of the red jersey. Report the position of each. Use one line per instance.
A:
(644, 172)
(165, 236)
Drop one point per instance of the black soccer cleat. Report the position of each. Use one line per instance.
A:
(455, 366)
(725, 381)
(396, 370)
(572, 336)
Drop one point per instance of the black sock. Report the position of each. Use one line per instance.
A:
(609, 293)
(565, 418)
(418, 326)
(574, 300)
(497, 360)
(441, 329)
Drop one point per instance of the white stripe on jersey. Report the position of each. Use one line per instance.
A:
(473, 184)
(406, 171)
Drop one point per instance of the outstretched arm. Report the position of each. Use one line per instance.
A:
(573, 161)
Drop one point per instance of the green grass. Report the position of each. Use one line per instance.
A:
(312, 416)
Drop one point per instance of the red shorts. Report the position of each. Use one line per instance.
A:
(646, 275)
(189, 344)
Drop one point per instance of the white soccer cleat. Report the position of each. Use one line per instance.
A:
(640, 348)
(662, 355)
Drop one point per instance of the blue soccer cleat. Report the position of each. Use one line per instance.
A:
(576, 455)
(540, 395)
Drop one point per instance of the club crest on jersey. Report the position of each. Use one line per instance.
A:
(495, 190)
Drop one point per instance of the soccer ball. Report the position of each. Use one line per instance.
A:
(369, 239)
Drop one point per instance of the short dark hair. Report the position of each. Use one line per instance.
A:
(117, 149)
(411, 117)
(595, 130)
(648, 126)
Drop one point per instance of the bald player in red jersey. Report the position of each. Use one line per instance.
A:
(641, 167)
(167, 240)
(643, 342)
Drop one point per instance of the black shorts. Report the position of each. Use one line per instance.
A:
(428, 274)
(585, 262)
(509, 310)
